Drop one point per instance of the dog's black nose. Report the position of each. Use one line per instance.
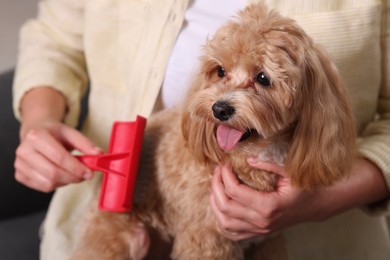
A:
(223, 111)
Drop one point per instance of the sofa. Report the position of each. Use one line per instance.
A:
(21, 209)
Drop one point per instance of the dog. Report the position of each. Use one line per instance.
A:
(264, 89)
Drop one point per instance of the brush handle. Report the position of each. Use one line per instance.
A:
(111, 163)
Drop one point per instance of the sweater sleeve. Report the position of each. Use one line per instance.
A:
(374, 143)
(51, 54)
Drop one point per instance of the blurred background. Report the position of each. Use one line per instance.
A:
(13, 13)
(20, 214)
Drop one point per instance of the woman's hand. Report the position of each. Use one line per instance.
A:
(243, 212)
(43, 161)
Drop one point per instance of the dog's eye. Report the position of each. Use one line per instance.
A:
(221, 72)
(263, 79)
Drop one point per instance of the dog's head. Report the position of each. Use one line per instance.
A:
(262, 78)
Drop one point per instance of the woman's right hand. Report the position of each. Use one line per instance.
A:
(43, 161)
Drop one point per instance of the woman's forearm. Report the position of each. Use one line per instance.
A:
(41, 103)
(289, 205)
(364, 186)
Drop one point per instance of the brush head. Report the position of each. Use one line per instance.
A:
(119, 165)
(117, 189)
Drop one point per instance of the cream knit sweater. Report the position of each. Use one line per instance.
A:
(121, 49)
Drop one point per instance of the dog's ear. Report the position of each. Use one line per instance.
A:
(199, 137)
(199, 134)
(323, 142)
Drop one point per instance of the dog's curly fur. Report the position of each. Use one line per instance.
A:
(261, 76)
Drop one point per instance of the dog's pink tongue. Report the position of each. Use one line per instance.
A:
(228, 137)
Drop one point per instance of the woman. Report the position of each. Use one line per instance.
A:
(123, 49)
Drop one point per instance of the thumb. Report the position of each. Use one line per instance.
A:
(78, 141)
(268, 166)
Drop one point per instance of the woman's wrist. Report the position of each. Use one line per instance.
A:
(365, 185)
(39, 105)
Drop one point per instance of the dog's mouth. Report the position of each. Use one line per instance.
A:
(247, 134)
(228, 137)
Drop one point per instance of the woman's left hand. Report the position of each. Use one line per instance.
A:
(243, 212)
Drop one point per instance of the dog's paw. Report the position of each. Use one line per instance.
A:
(139, 242)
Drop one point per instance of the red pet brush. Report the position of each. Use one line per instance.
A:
(119, 165)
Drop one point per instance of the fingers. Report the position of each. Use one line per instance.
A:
(237, 236)
(230, 227)
(36, 180)
(37, 172)
(224, 199)
(234, 220)
(44, 144)
(75, 139)
(43, 163)
(238, 192)
(240, 209)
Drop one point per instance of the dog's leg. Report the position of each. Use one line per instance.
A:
(112, 236)
(202, 243)
(272, 248)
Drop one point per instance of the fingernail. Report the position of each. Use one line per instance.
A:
(98, 150)
(253, 160)
(88, 175)
(217, 169)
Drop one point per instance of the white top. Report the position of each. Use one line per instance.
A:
(202, 19)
